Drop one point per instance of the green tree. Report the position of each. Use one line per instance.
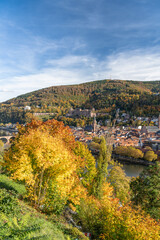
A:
(146, 190)
(102, 164)
(120, 183)
(86, 157)
(138, 122)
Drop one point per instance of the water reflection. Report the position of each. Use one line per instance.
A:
(133, 170)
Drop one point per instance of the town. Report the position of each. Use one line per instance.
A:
(145, 133)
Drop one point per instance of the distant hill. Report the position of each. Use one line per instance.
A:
(136, 97)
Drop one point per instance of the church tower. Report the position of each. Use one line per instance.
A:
(94, 125)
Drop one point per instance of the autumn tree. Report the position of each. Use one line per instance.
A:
(129, 151)
(87, 175)
(102, 164)
(120, 182)
(106, 219)
(43, 155)
(1, 148)
(150, 156)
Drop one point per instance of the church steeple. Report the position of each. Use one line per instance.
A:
(94, 124)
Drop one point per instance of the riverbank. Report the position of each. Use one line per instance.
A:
(131, 160)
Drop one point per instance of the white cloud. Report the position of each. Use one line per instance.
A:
(133, 65)
(136, 65)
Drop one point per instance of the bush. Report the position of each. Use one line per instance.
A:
(8, 202)
(28, 224)
(74, 232)
(54, 202)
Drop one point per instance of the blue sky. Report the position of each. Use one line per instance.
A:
(56, 42)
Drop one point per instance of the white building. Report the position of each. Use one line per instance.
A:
(26, 108)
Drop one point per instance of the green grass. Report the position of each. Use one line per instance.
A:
(28, 223)
(26, 226)
(9, 184)
(19, 220)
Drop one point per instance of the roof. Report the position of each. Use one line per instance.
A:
(152, 128)
(88, 128)
(158, 132)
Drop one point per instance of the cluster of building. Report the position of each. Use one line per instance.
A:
(78, 112)
(126, 136)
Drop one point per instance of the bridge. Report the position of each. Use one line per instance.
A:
(5, 139)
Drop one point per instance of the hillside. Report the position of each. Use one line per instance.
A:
(18, 220)
(57, 192)
(136, 97)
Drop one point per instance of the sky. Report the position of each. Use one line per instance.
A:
(59, 42)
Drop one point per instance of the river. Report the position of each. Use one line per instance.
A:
(133, 170)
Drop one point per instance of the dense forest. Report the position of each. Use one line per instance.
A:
(136, 97)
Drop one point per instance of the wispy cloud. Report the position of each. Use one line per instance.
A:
(136, 65)
(71, 69)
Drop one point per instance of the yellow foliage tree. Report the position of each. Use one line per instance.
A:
(120, 183)
(106, 219)
(42, 155)
(150, 156)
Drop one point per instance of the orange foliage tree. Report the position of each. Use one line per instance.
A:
(46, 157)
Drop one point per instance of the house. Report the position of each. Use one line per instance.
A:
(27, 108)
(153, 143)
(149, 130)
(78, 112)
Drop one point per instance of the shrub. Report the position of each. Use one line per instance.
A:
(74, 232)
(8, 202)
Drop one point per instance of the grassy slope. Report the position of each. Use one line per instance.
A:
(19, 216)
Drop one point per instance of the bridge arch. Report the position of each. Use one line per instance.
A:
(5, 139)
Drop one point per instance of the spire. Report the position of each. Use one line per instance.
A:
(94, 124)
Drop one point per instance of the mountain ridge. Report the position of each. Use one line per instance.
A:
(87, 83)
(140, 98)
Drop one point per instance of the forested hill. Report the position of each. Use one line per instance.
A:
(137, 97)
